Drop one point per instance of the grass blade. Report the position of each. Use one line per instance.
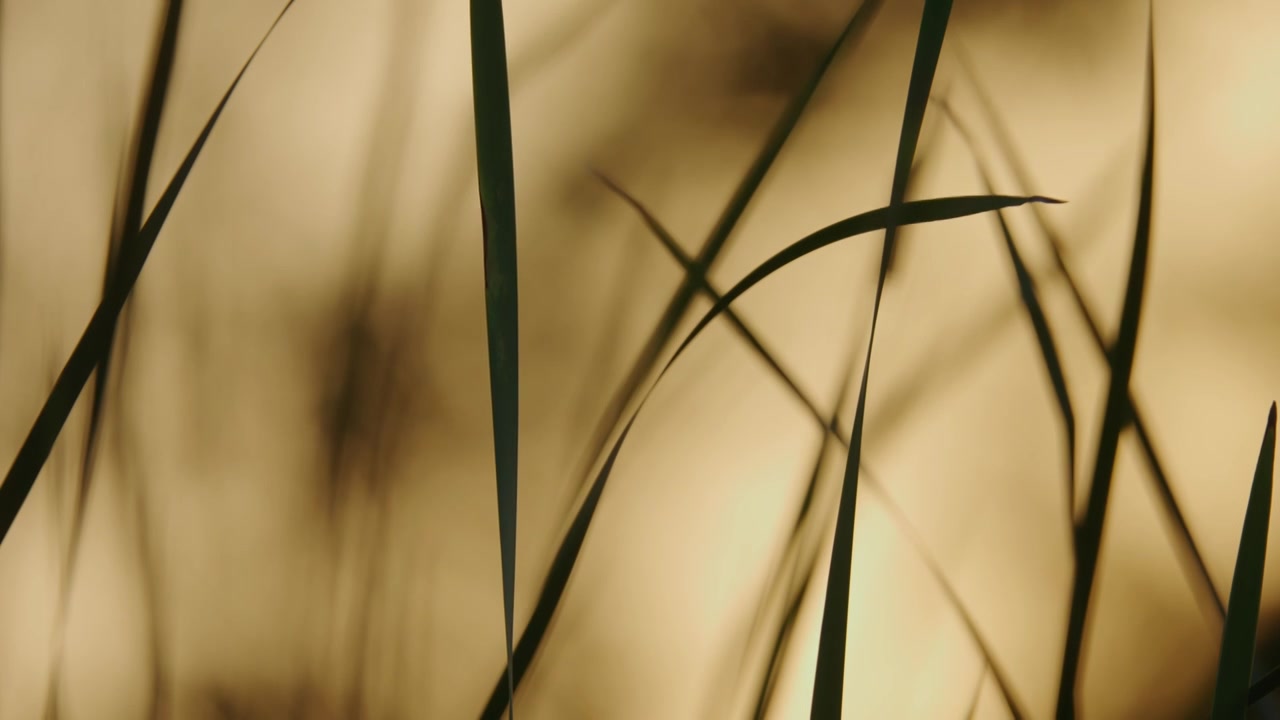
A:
(676, 309)
(496, 172)
(1089, 533)
(828, 687)
(96, 337)
(1030, 296)
(909, 213)
(1193, 564)
(1235, 663)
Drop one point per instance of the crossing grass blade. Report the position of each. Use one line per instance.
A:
(850, 35)
(496, 173)
(96, 337)
(1030, 296)
(125, 227)
(1235, 662)
(1193, 564)
(1089, 534)
(909, 213)
(828, 688)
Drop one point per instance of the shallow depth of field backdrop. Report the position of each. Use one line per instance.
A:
(292, 510)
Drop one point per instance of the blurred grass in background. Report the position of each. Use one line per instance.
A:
(279, 499)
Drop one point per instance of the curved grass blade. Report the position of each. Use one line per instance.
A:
(674, 313)
(496, 172)
(1235, 663)
(1193, 563)
(831, 429)
(91, 346)
(1089, 533)
(1039, 322)
(909, 213)
(828, 686)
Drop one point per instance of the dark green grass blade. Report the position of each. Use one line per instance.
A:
(831, 431)
(828, 687)
(1235, 663)
(746, 190)
(1089, 535)
(910, 213)
(1193, 563)
(1030, 296)
(498, 214)
(91, 346)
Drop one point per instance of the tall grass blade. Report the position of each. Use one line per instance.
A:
(1089, 533)
(909, 213)
(1030, 296)
(828, 687)
(496, 172)
(1193, 563)
(96, 337)
(674, 313)
(1235, 662)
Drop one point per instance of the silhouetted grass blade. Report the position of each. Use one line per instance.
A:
(1030, 296)
(1235, 663)
(675, 311)
(828, 687)
(496, 173)
(1089, 535)
(91, 346)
